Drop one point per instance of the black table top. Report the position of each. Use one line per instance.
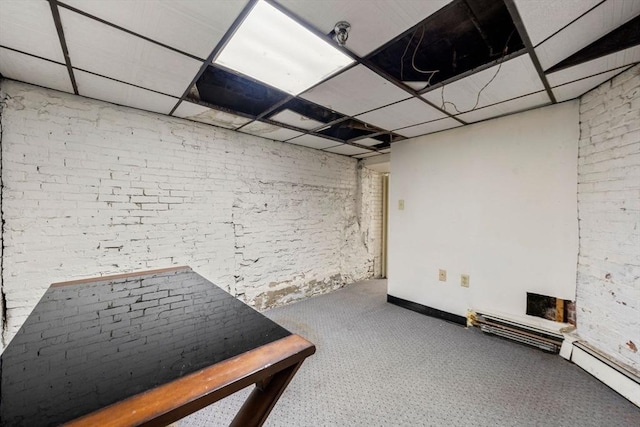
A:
(88, 345)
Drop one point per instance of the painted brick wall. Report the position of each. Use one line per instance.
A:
(371, 210)
(608, 288)
(90, 188)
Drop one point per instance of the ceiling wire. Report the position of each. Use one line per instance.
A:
(413, 61)
(413, 58)
(504, 53)
(405, 54)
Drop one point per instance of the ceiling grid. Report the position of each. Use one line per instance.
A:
(417, 67)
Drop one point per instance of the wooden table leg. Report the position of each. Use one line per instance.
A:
(262, 399)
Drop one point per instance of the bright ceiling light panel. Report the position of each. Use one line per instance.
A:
(272, 48)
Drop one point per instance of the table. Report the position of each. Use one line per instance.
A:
(143, 349)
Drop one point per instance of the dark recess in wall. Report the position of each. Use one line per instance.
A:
(547, 307)
(458, 38)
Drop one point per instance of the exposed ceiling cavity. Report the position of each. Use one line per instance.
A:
(233, 92)
(349, 129)
(625, 36)
(460, 37)
(309, 109)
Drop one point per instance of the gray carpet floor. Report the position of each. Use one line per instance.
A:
(381, 365)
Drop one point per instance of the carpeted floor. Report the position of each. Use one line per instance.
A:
(381, 365)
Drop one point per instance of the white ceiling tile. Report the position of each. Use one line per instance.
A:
(313, 142)
(542, 18)
(18, 66)
(364, 155)
(430, 127)
(104, 89)
(513, 106)
(580, 87)
(595, 24)
(294, 119)
(369, 142)
(192, 26)
(402, 114)
(113, 53)
(355, 91)
(596, 66)
(347, 150)
(270, 131)
(28, 26)
(199, 113)
(373, 22)
(386, 150)
(516, 77)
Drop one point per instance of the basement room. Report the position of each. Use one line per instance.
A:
(315, 213)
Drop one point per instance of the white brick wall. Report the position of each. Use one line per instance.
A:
(90, 188)
(372, 210)
(608, 288)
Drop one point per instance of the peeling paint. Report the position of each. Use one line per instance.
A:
(288, 292)
(3, 297)
(263, 129)
(219, 118)
(632, 346)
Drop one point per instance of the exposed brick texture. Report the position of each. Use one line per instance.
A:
(571, 313)
(91, 188)
(608, 288)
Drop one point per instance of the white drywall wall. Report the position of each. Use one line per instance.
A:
(495, 200)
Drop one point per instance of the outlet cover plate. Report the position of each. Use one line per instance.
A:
(464, 280)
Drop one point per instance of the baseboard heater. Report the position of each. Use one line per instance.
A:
(617, 376)
(543, 339)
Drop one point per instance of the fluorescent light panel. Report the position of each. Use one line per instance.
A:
(272, 48)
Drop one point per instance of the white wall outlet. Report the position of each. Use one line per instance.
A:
(400, 205)
(442, 275)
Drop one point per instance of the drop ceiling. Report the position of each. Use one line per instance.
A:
(419, 66)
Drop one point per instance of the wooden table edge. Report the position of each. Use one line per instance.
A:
(119, 276)
(177, 399)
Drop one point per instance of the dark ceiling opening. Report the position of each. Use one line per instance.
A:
(625, 36)
(388, 138)
(458, 38)
(233, 92)
(310, 110)
(349, 129)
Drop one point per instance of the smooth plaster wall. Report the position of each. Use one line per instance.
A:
(495, 200)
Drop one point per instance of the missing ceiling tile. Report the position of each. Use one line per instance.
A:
(458, 38)
(350, 129)
(310, 110)
(236, 93)
(625, 36)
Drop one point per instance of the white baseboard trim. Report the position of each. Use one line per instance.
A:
(614, 375)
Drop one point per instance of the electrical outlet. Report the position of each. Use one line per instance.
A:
(464, 280)
(400, 205)
(442, 275)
